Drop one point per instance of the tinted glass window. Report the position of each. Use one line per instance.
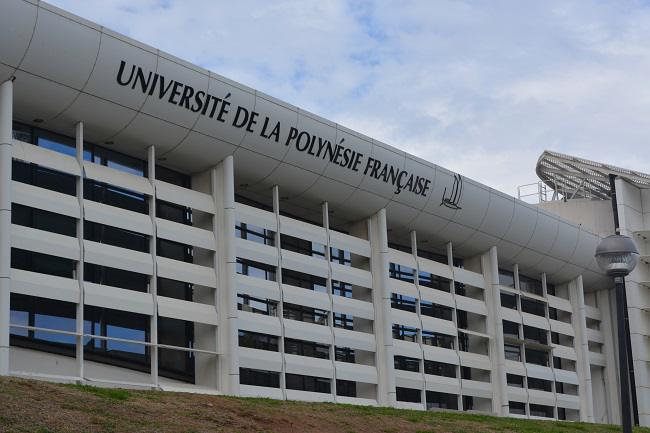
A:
(43, 220)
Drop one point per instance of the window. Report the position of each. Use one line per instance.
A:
(439, 368)
(517, 408)
(535, 334)
(344, 321)
(173, 177)
(306, 348)
(541, 410)
(254, 340)
(532, 306)
(510, 329)
(55, 142)
(540, 384)
(175, 289)
(255, 269)
(308, 383)
(249, 376)
(436, 339)
(344, 354)
(441, 400)
(401, 272)
(176, 364)
(42, 263)
(173, 212)
(174, 250)
(406, 363)
(550, 289)
(403, 302)
(117, 324)
(341, 289)
(434, 281)
(440, 258)
(512, 352)
(115, 196)
(515, 380)
(116, 237)
(118, 161)
(509, 300)
(43, 313)
(305, 314)
(530, 285)
(405, 333)
(302, 246)
(255, 234)
(43, 220)
(340, 256)
(346, 388)
(266, 307)
(306, 281)
(42, 177)
(538, 357)
(506, 278)
(409, 395)
(436, 310)
(116, 278)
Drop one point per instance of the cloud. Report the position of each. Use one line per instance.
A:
(479, 87)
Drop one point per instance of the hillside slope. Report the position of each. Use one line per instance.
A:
(33, 406)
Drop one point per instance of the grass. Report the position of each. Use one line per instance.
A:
(108, 393)
(31, 406)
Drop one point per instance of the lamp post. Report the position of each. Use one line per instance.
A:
(617, 256)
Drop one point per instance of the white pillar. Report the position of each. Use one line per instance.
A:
(381, 291)
(6, 120)
(153, 283)
(490, 265)
(583, 367)
(278, 277)
(610, 344)
(227, 293)
(79, 142)
(328, 286)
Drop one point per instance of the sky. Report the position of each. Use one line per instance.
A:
(479, 87)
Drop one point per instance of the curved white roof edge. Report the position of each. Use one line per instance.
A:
(68, 69)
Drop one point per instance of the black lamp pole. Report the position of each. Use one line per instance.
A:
(626, 414)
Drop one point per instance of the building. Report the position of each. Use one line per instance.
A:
(164, 227)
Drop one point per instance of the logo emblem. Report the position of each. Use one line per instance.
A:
(451, 201)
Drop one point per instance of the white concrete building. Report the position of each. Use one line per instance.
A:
(164, 227)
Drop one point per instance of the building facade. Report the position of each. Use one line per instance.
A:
(164, 227)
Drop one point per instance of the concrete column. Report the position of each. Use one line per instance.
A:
(227, 292)
(381, 291)
(490, 266)
(328, 286)
(418, 311)
(278, 273)
(153, 284)
(583, 367)
(610, 344)
(79, 142)
(6, 120)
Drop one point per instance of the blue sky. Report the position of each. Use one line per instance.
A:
(480, 87)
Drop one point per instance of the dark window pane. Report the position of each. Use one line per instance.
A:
(116, 278)
(258, 341)
(42, 263)
(43, 220)
(116, 237)
(409, 395)
(308, 383)
(249, 376)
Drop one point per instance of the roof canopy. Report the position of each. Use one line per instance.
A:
(573, 177)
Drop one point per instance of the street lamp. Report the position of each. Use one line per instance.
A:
(617, 256)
